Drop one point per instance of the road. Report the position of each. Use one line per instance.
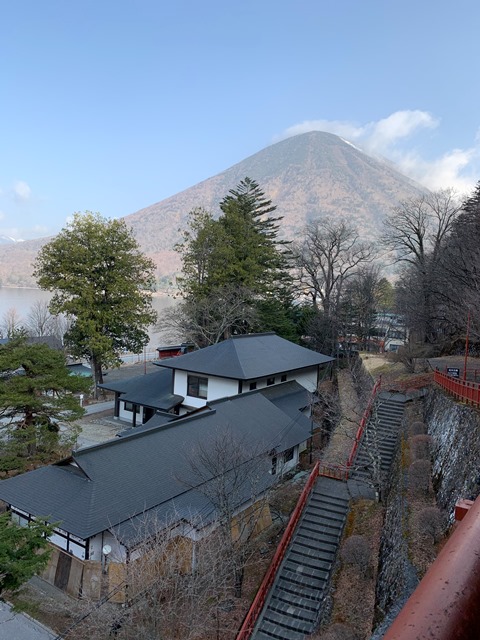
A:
(18, 626)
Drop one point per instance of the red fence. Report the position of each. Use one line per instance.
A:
(325, 469)
(363, 424)
(463, 390)
(257, 605)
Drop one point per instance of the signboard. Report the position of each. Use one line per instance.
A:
(454, 372)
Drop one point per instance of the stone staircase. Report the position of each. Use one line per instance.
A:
(293, 607)
(378, 445)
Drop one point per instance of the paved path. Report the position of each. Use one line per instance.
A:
(17, 626)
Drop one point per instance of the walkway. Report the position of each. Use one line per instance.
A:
(18, 626)
(294, 605)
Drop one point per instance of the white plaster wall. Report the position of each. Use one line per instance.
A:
(307, 378)
(217, 388)
(127, 416)
(96, 544)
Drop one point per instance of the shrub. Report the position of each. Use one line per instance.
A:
(420, 447)
(430, 523)
(417, 428)
(419, 476)
(356, 552)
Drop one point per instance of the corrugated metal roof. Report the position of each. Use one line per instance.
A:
(126, 477)
(248, 357)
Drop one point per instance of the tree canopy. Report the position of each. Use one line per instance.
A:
(24, 551)
(238, 259)
(36, 393)
(102, 282)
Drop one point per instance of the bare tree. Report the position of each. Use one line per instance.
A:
(236, 480)
(40, 321)
(177, 586)
(206, 320)
(416, 231)
(360, 302)
(12, 323)
(328, 257)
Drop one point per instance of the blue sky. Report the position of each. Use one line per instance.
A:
(112, 105)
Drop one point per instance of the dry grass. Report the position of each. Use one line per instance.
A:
(343, 436)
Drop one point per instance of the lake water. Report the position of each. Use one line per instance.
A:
(22, 300)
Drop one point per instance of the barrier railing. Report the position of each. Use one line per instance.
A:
(463, 390)
(363, 424)
(338, 472)
(257, 605)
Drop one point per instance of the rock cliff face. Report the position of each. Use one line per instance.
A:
(455, 430)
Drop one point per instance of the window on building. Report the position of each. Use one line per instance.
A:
(270, 381)
(288, 455)
(129, 406)
(253, 386)
(197, 387)
(274, 466)
(283, 378)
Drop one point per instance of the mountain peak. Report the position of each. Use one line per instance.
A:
(306, 176)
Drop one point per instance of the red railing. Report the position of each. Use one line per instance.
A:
(257, 605)
(363, 424)
(463, 390)
(330, 470)
(338, 472)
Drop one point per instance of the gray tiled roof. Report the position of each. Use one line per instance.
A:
(150, 390)
(123, 478)
(248, 357)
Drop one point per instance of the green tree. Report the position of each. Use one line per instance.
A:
(240, 252)
(24, 551)
(102, 282)
(36, 392)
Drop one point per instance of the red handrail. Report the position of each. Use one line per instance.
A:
(463, 390)
(331, 470)
(257, 605)
(363, 424)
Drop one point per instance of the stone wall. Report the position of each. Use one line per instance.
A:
(396, 575)
(455, 429)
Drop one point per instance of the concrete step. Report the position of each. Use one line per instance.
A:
(302, 569)
(316, 554)
(272, 630)
(285, 626)
(288, 622)
(302, 602)
(291, 609)
(314, 594)
(299, 580)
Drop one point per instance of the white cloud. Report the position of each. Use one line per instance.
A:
(390, 137)
(21, 191)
